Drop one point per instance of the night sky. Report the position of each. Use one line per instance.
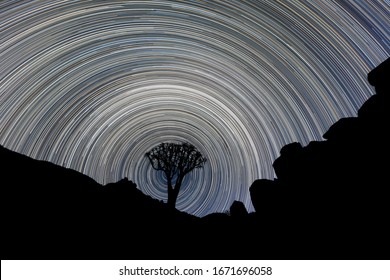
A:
(94, 85)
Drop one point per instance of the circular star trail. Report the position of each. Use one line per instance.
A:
(94, 85)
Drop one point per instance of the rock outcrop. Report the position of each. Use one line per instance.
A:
(337, 188)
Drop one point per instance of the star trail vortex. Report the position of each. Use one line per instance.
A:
(93, 85)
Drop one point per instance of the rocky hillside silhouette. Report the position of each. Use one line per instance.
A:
(51, 212)
(330, 201)
(336, 190)
(54, 212)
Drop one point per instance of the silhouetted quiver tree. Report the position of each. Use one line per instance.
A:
(176, 160)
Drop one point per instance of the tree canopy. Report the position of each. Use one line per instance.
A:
(176, 160)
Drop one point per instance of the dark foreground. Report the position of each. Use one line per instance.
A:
(330, 201)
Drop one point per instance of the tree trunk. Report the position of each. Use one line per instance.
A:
(173, 193)
(171, 200)
(172, 197)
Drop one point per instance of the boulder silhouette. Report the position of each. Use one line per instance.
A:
(265, 195)
(345, 129)
(238, 210)
(379, 77)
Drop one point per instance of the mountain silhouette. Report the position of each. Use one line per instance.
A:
(329, 201)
